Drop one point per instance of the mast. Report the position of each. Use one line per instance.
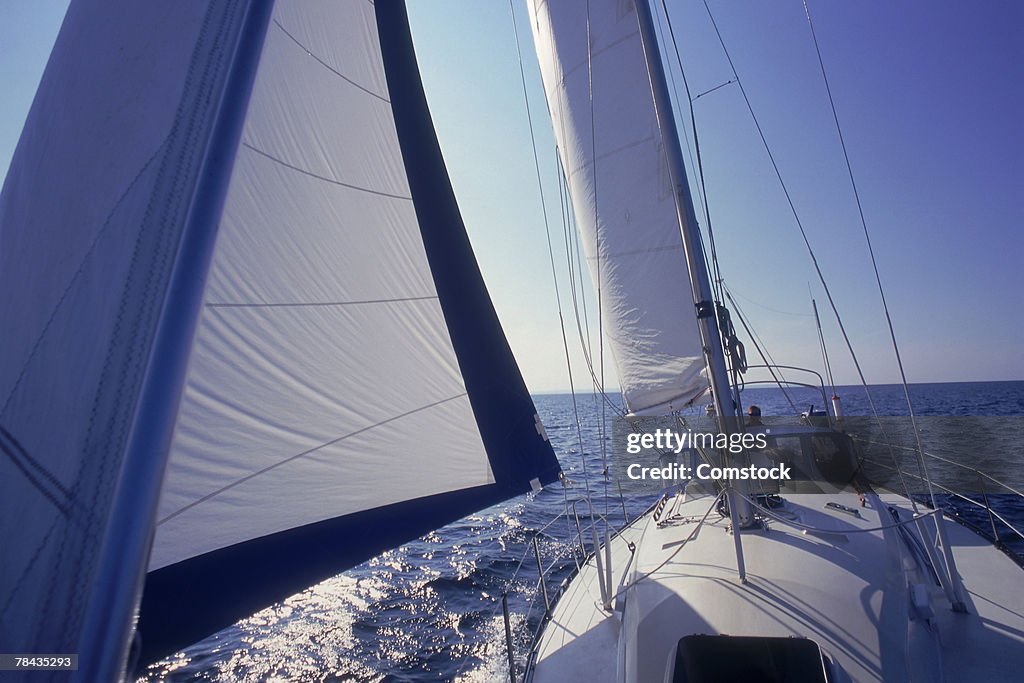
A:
(729, 419)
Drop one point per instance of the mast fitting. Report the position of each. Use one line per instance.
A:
(705, 309)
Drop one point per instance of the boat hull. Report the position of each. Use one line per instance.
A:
(849, 586)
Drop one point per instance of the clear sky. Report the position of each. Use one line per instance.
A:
(930, 94)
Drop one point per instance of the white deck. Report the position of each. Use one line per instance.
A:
(846, 591)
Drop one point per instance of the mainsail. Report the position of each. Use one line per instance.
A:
(613, 155)
(229, 242)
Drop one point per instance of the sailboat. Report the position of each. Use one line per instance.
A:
(249, 347)
(819, 577)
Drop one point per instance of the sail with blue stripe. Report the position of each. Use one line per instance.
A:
(261, 333)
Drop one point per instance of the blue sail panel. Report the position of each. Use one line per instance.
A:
(115, 178)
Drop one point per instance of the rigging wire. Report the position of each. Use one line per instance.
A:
(824, 351)
(777, 311)
(734, 352)
(602, 431)
(733, 347)
(686, 134)
(554, 272)
(576, 278)
(583, 328)
(573, 248)
(564, 206)
(597, 374)
(582, 322)
(563, 202)
(874, 263)
(713, 267)
(551, 252)
(711, 90)
(810, 250)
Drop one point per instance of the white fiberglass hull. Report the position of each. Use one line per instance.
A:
(849, 591)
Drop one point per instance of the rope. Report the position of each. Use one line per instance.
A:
(763, 352)
(733, 346)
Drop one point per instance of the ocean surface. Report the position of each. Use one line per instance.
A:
(431, 610)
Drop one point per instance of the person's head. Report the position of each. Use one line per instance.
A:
(754, 411)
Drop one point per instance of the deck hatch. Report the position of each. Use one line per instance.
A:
(707, 659)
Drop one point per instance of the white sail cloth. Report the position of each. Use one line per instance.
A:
(599, 97)
(344, 383)
(322, 344)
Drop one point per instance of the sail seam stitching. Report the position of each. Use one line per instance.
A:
(328, 66)
(320, 303)
(612, 152)
(635, 252)
(597, 53)
(305, 453)
(320, 177)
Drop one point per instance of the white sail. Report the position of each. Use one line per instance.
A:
(612, 152)
(344, 383)
(322, 340)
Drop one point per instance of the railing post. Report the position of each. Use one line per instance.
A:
(579, 530)
(622, 501)
(508, 640)
(608, 566)
(540, 573)
(988, 508)
(731, 496)
(606, 591)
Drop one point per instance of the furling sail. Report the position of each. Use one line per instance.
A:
(235, 264)
(613, 156)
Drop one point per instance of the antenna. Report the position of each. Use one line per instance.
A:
(837, 407)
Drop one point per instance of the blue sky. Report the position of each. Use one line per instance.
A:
(931, 99)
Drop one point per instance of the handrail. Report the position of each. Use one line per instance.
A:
(776, 366)
(546, 596)
(987, 507)
(820, 386)
(984, 504)
(945, 460)
(566, 550)
(553, 599)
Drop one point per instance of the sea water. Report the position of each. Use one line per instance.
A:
(431, 610)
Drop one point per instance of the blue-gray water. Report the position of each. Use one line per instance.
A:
(430, 610)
